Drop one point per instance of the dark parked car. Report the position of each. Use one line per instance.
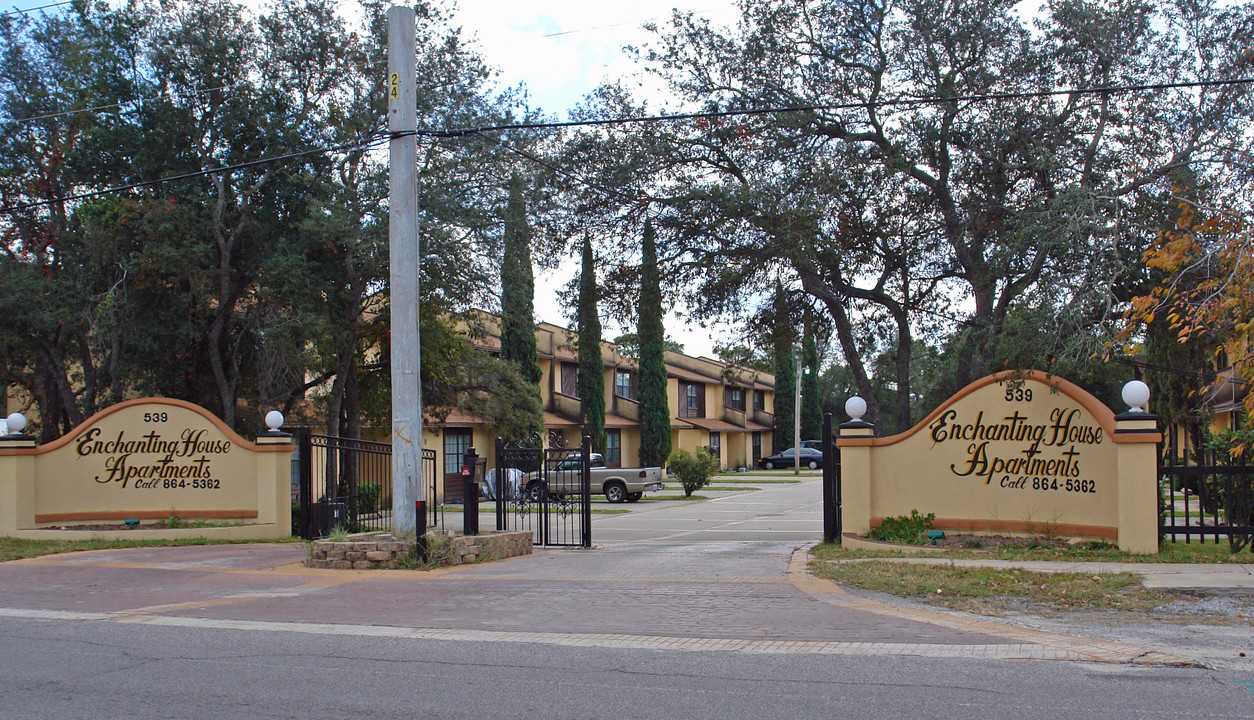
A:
(810, 458)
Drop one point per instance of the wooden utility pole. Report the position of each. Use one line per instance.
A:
(403, 270)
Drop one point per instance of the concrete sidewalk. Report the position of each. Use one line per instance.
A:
(1236, 577)
(727, 575)
(755, 597)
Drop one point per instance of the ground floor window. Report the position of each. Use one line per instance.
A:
(716, 446)
(757, 446)
(456, 442)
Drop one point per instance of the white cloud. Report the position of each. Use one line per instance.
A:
(564, 49)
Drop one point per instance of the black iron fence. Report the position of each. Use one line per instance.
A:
(1201, 496)
(544, 491)
(346, 483)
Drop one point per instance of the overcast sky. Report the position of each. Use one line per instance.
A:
(560, 50)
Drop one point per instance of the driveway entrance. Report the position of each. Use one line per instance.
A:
(790, 514)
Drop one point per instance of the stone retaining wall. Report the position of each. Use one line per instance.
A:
(372, 551)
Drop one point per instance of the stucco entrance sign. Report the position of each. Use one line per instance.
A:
(148, 459)
(1025, 452)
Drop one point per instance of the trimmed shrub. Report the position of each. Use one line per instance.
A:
(693, 471)
(903, 529)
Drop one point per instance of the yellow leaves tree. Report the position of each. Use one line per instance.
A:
(1206, 294)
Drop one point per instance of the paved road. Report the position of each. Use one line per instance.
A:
(682, 610)
(109, 670)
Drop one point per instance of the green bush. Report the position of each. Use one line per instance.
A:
(693, 471)
(902, 529)
(368, 497)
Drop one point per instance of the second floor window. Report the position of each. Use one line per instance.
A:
(622, 384)
(735, 398)
(759, 400)
(570, 380)
(691, 402)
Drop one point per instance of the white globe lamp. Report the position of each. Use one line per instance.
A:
(855, 407)
(274, 420)
(1136, 394)
(15, 423)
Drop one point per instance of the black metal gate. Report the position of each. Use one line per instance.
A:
(831, 482)
(1201, 496)
(547, 492)
(346, 483)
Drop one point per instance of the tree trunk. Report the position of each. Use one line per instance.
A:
(905, 351)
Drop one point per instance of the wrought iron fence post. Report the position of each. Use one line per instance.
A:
(585, 483)
(420, 530)
(470, 493)
(305, 452)
(543, 507)
(433, 502)
(502, 484)
(831, 484)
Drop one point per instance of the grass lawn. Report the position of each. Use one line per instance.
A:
(1177, 552)
(16, 549)
(996, 591)
(724, 488)
(993, 591)
(757, 480)
(805, 472)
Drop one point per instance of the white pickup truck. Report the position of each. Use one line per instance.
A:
(617, 484)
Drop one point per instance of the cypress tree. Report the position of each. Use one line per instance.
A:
(811, 408)
(655, 413)
(785, 372)
(518, 328)
(591, 366)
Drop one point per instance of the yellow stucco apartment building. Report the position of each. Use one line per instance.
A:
(712, 404)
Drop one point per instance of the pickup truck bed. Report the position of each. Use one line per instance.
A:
(617, 484)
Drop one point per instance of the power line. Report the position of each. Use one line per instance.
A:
(1210, 375)
(904, 102)
(465, 132)
(200, 173)
(31, 10)
(110, 105)
(608, 192)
